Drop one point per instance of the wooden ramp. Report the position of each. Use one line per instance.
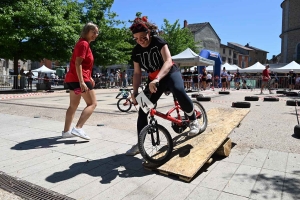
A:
(190, 154)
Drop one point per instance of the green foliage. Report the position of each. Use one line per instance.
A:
(178, 38)
(37, 29)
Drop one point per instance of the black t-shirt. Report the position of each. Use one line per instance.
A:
(150, 58)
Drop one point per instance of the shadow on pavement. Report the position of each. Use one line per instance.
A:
(42, 143)
(108, 168)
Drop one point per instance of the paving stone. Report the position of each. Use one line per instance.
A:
(219, 176)
(293, 164)
(269, 185)
(203, 194)
(242, 181)
(276, 160)
(291, 187)
(256, 157)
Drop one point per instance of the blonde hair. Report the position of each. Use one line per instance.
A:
(86, 29)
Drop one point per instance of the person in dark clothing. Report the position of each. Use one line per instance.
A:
(152, 54)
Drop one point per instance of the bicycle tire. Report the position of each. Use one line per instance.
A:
(168, 148)
(120, 102)
(204, 123)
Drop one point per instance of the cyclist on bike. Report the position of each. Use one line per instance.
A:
(152, 54)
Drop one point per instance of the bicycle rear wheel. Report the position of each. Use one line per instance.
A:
(124, 105)
(200, 115)
(155, 144)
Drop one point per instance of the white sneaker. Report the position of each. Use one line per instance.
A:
(133, 151)
(80, 133)
(194, 128)
(67, 134)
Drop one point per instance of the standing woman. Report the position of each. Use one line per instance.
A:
(80, 82)
(152, 54)
(224, 79)
(204, 74)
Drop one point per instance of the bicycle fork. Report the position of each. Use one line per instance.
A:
(154, 130)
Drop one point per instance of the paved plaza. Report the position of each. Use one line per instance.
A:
(264, 162)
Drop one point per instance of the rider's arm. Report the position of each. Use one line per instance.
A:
(165, 52)
(137, 75)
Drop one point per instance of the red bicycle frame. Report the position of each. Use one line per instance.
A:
(153, 112)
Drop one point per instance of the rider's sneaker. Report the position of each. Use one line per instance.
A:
(133, 151)
(194, 128)
(67, 134)
(79, 132)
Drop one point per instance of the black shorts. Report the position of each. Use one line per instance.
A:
(74, 85)
(208, 80)
(223, 80)
(30, 79)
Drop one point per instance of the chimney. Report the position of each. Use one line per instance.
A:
(185, 23)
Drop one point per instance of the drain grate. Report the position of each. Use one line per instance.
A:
(28, 190)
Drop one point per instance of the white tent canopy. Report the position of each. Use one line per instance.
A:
(44, 69)
(190, 58)
(229, 67)
(291, 66)
(257, 67)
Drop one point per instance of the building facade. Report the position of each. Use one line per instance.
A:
(290, 35)
(242, 54)
(257, 55)
(204, 35)
(228, 54)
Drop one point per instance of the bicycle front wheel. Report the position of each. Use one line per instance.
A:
(155, 144)
(200, 116)
(124, 105)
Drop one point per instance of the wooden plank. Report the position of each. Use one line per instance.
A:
(220, 124)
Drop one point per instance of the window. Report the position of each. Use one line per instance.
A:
(234, 55)
(224, 59)
(224, 51)
(230, 52)
(234, 62)
(298, 52)
(229, 60)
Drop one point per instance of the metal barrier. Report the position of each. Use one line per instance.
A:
(246, 82)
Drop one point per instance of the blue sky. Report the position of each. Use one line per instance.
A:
(257, 22)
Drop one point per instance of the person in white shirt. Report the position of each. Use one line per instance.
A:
(208, 79)
(229, 79)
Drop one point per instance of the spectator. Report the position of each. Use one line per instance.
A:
(292, 80)
(229, 79)
(208, 80)
(266, 80)
(195, 79)
(237, 80)
(47, 82)
(124, 79)
(29, 75)
(224, 79)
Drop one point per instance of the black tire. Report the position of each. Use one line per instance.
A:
(197, 95)
(124, 105)
(292, 102)
(241, 104)
(271, 99)
(224, 92)
(280, 92)
(202, 118)
(291, 94)
(200, 98)
(167, 148)
(297, 130)
(251, 98)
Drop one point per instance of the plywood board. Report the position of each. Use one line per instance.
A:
(189, 155)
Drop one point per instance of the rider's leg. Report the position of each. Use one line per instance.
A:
(175, 84)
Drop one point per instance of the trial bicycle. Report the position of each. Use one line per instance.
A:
(154, 141)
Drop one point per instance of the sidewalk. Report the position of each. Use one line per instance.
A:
(32, 149)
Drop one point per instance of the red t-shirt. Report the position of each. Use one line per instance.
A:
(265, 74)
(82, 50)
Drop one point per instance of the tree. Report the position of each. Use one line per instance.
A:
(112, 45)
(37, 29)
(178, 38)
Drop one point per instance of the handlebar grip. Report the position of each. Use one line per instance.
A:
(157, 84)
